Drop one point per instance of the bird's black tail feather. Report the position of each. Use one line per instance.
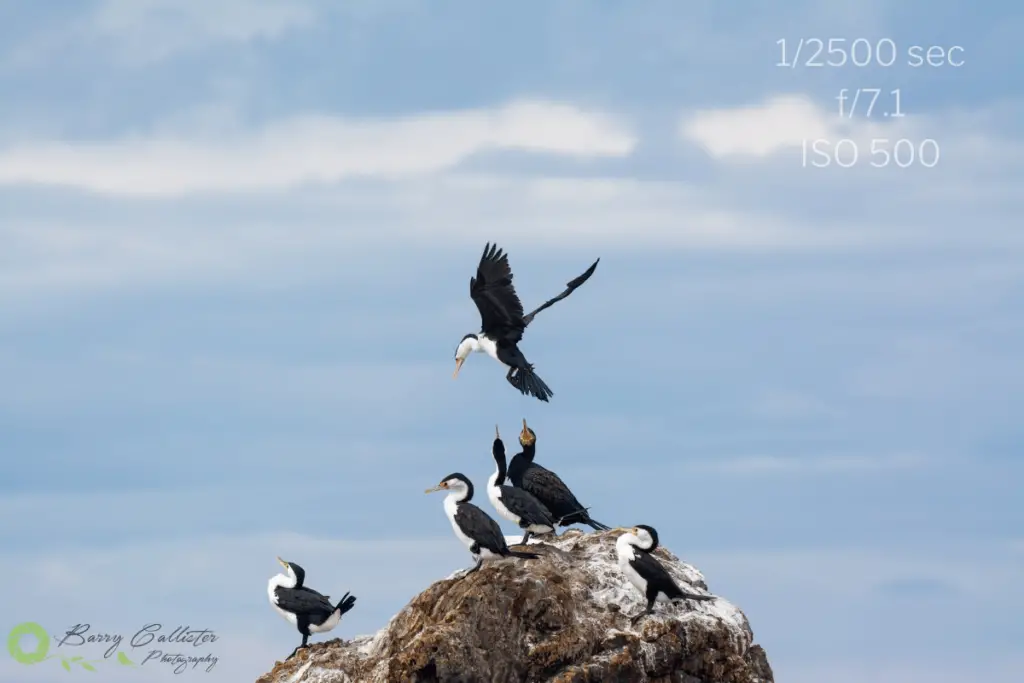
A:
(522, 555)
(346, 603)
(529, 383)
(581, 516)
(693, 596)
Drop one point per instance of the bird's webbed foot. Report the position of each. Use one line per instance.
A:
(474, 568)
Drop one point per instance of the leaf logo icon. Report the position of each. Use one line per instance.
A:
(122, 658)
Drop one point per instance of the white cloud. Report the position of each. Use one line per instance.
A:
(313, 149)
(319, 232)
(780, 123)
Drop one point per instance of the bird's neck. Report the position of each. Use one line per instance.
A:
(281, 581)
(457, 497)
(529, 451)
(625, 544)
(484, 344)
(498, 478)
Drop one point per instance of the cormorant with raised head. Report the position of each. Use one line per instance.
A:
(518, 506)
(303, 607)
(477, 531)
(643, 570)
(502, 321)
(546, 486)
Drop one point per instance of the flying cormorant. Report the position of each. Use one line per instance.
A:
(502, 321)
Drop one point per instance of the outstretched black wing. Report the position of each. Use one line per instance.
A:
(304, 601)
(478, 525)
(569, 288)
(501, 311)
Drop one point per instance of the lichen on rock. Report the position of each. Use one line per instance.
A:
(564, 618)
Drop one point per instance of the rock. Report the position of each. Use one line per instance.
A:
(563, 618)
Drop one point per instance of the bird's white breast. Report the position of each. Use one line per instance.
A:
(494, 493)
(490, 347)
(450, 508)
(626, 553)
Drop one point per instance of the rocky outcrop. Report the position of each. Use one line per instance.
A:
(564, 618)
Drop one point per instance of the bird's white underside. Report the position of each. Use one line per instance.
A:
(282, 580)
(625, 551)
(451, 506)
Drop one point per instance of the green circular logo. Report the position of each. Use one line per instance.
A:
(42, 643)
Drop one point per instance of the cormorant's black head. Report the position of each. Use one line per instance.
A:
(295, 571)
(527, 436)
(456, 483)
(647, 535)
(468, 345)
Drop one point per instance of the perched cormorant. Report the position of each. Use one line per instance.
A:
(518, 506)
(546, 486)
(645, 572)
(502, 322)
(305, 608)
(473, 526)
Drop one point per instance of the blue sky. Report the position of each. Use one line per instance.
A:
(237, 238)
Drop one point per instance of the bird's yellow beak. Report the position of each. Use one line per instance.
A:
(496, 434)
(458, 366)
(283, 563)
(437, 488)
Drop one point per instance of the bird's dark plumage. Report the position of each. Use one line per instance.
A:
(310, 610)
(526, 505)
(475, 527)
(305, 601)
(648, 574)
(502, 318)
(549, 489)
(479, 526)
(501, 311)
(519, 502)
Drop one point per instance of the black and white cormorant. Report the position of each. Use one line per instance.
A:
(518, 506)
(645, 572)
(305, 608)
(502, 321)
(546, 486)
(477, 531)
